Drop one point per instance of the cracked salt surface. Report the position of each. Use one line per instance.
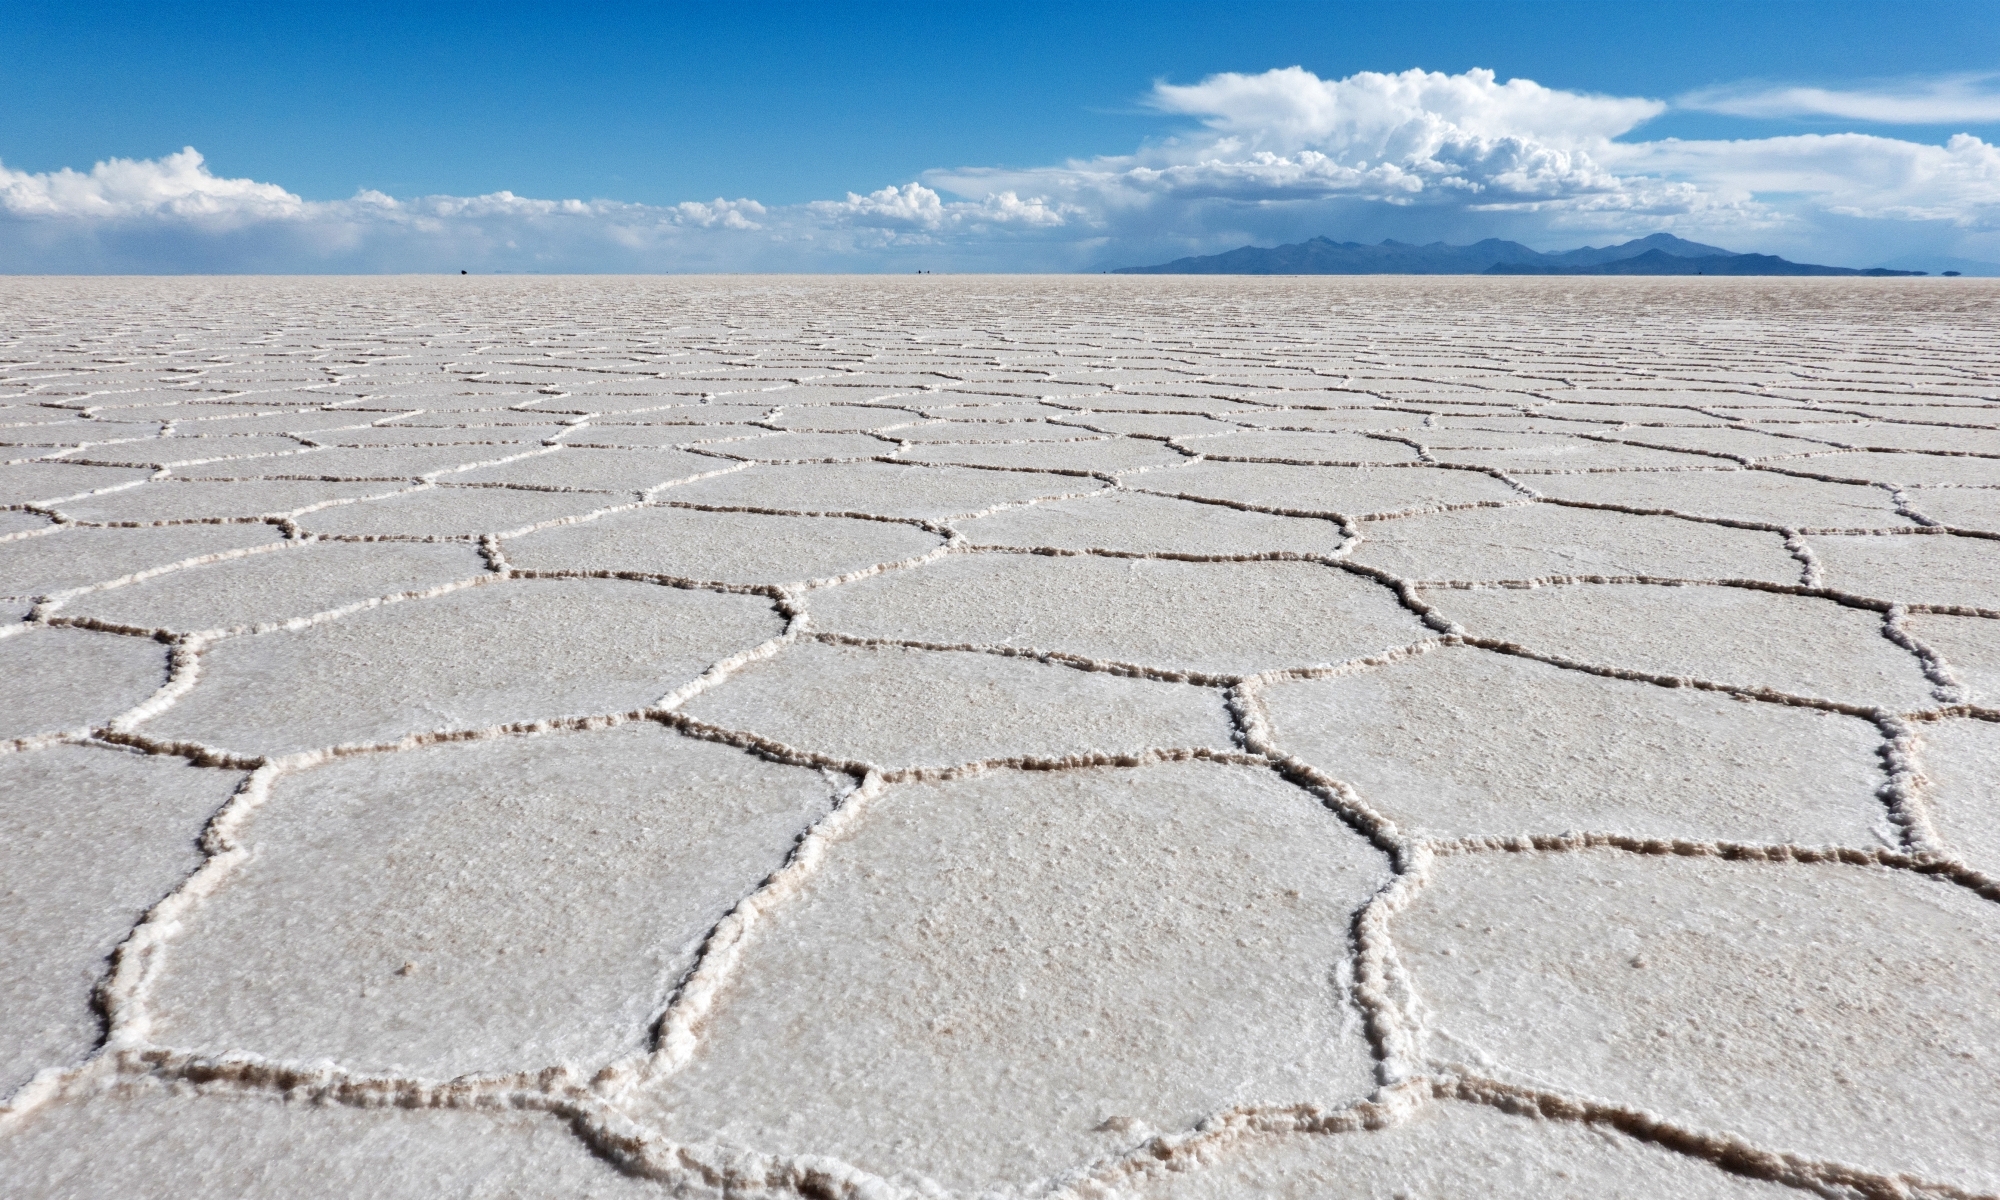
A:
(1151, 737)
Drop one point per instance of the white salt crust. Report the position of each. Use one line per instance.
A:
(1083, 738)
(31, 482)
(1466, 743)
(457, 512)
(1627, 1007)
(893, 708)
(1959, 761)
(1094, 923)
(471, 658)
(389, 463)
(1749, 638)
(252, 500)
(1454, 1151)
(1958, 508)
(1139, 523)
(730, 547)
(1763, 498)
(1948, 571)
(1320, 491)
(875, 489)
(1554, 542)
(1968, 648)
(1205, 619)
(90, 838)
(56, 681)
(77, 557)
(252, 591)
(423, 943)
(147, 1140)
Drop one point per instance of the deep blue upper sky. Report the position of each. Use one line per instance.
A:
(667, 102)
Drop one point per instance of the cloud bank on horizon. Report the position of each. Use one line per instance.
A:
(1276, 156)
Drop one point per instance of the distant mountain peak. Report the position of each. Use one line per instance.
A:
(1655, 254)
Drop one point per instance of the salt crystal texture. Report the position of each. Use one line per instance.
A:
(994, 737)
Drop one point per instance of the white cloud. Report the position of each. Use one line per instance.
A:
(1846, 174)
(911, 204)
(177, 186)
(727, 214)
(914, 206)
(1953, 100)
(1371, 115)
(1411, 140)
(1538, 163)
(1276, 156)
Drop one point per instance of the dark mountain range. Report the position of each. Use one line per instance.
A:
(1659, 254)
(1324, 256)
(1666, 243)
(1655, 262)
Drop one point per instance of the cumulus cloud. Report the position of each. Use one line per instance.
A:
(1953, 100)
(1418, 139)
(178, 186)
(1535, 162)
(915, 207)
(1278, 155)
(1372, 115)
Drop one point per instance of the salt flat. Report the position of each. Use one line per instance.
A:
(1000, 737)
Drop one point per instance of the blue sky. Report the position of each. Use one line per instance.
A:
(383, 137)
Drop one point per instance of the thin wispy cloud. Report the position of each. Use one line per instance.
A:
(1955, 100)
(1275, 155)
(1793, 179)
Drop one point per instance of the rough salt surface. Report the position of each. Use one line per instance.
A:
(1812, 947)
(505, 653)
(148, 1140)
(1455, 1152)
(927, 737)
(1464, 743)
(895, 708)
(421, 941)
(1744, 637)
(1100, 952)
(1220, 618)
(93, 836)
